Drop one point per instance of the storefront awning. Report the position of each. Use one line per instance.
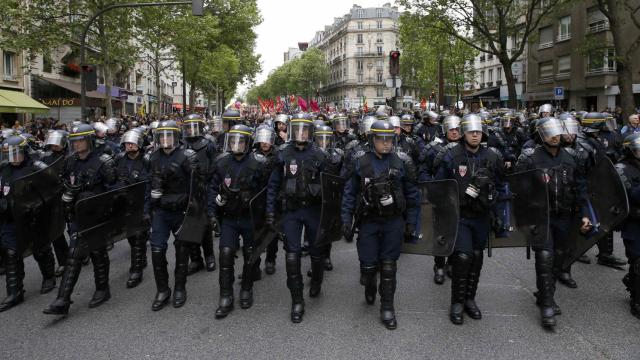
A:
(74, 87)
(18, 102)
(484, 94)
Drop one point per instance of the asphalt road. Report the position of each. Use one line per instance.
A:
(595, 323)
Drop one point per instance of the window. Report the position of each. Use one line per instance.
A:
(360, 92)
(9, 65)
(359, 25)
(564, 65)
(596, 21)
(379, 13)
(499, 74)
(359, 65)
(601, 61)
(379, 24)
(359, 50)
(360, 13)
(482, 77)
(379, 64)
(564, 29)
(546, 38)
(359, 40)
(490, 75)
(359, 78)
(379, 75)
(379, 50)
(545, 71)
(379, 92)
(379, 37)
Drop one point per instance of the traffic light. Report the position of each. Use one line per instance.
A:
(91, 77)
(394, 63)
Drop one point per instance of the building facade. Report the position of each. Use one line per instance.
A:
(356, 47)
(561, 74)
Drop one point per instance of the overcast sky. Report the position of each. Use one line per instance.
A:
(287, 22)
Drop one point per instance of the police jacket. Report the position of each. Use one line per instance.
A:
(8, 175)
(172, 175)
(629, 170)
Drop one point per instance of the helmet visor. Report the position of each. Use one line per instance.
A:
(165, 138)
(324, 139)
(13, 153)
(571, 126)
(550, 128)
(340, 124)
(191, 128)
(299, 130)
(235, 143)
(264, 135)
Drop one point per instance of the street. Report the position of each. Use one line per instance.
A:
(595, 323)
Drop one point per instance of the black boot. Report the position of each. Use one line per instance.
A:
(256, 271)
(545, 282)
(61, 249)
(226, 278)
(438, 270)
(460, 267)
(270, 261)
(14, 274)
(207, 249)
(47, 264)
(138, 261)
(161, 275)
(294, 283)
(100, 261)
(635, 288)
(605, 253)
(180, 273)
(197, 263)
(328, 265)
(3, 270)
(387, 291)
(317, 274)
(246, 285)
(60, 306)
(563, 274)
(368, 279)
(470, 306)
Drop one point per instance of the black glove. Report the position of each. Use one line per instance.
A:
(270, 219)
(215, 226)
(347, 232)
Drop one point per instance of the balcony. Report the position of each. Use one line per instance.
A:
(597, 27)
(490, 84)
(481, 85)
(563, 75)
(563, 37)
(140, 89)
(602, 71)
(368, 54)
(545, 45)
(545, 79)
(498, 82)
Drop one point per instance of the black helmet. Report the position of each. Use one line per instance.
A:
(300, 128)
(323, 137)
(631, 145)
(231, 117)
(593, 122)
(193, 126)
(167, 135)
(340, 123)
(238, 139)
(80, 133)
(382, 131)
(14, 149)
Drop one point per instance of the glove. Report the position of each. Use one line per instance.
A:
(221, 200)
(270, 219)
(215, 226)
(409, 232)
(347, 232)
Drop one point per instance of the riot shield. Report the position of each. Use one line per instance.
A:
(525, 216)
(608, 207)
(37, 207)
(263, 234)
(110, 216)
(440, 215)
(195, 219)
(330, 228)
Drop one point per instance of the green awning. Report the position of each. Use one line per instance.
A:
(18, 102)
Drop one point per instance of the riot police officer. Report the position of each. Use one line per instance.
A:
(384, 192)
(132, 166)
(237, 177)
(86, 173)
(428, 129)
(280, 125)
(479, 172)
(567, 198)
(194, 137)
(295, 186)
(341, 130)
(18, 165)
(103, 144)
(629, 171)
(172, 169)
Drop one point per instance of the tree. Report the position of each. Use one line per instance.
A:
(621, 14)
(487, 25)
(423, 48)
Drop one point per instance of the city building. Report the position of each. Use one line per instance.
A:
(357, 47)
(562, 74)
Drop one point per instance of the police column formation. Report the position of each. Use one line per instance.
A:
(262, 182)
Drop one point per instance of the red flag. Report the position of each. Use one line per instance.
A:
(302, 103)
(423, 104)
(314, 106)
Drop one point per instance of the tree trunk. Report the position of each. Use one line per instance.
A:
(511, 84)
(625, 64)
(106, 61)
